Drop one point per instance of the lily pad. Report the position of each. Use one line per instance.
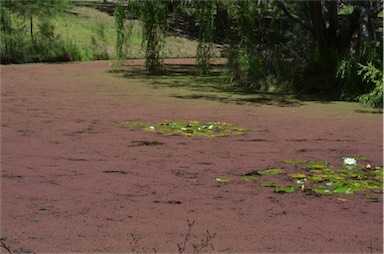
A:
(269, 185)
(372, 198)
(323, 178)
(343, 190)
(248, 178)
(222, 180)
(285, 190)
(322, 191)
(270, 171)
(316, 165)
(297, 176)
(295, 161)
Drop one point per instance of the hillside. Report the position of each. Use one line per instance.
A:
(83, 24)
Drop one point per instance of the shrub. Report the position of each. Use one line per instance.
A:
(360, 76)
(372, 76)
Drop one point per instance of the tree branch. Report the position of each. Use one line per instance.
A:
(376, 10)
(294, 17)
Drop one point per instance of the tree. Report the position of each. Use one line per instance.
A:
(206, 28)
(334, 35)
(29, 9)
(22, 42)
(327, 26)
(154, 18)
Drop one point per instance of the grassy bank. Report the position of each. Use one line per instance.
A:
(85, 26)
(80, 33)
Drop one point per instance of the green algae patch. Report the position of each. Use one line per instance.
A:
(270, 171)
(186, 128)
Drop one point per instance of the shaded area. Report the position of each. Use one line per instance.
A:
(188, 84)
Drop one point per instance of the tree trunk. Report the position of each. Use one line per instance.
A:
(31, 27)
(318, 23)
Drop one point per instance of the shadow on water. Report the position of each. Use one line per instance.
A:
(186, 83)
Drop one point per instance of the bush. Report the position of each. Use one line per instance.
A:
(358, 73)
(372, 76)
(18, 47)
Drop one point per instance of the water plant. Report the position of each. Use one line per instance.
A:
(186, 128)
(322, 178)
(222, 180)
(350, 178)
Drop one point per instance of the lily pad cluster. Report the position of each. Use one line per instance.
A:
(350, 178)
(186, 128)
(321, 178)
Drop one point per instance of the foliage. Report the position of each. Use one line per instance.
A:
(99, 42)
(341, 43)
(302, 46)
(266, 52)
(123, 32)
(23, 43)
(360, 75)
(243, 60)
(206, 27)
(154, 18)
(371, 75)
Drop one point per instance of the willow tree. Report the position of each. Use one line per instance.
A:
(120, 31)
(244, 61)
(206, 28)
(154, 18)
(123, 33)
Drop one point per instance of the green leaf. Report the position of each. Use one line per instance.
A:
(285, 190)
(297, 176)
(316, 164)
(343, 190)
(248, 178)
(295, 161)
(270, 171)
(372, 198)
(269, 185)
(322, 191)
(222, 180)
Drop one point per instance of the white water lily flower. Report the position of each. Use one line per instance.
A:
(210, 127)
(183, 129)
(350, 161)
(152, 127)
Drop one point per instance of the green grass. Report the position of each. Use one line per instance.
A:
(80, 24)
